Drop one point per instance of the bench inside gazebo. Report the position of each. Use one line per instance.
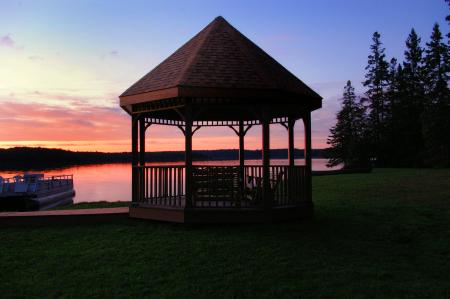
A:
(220, 78)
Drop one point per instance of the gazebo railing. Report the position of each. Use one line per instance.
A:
(221, 186)
(162, 185)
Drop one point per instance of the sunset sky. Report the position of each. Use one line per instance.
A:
(63, 64)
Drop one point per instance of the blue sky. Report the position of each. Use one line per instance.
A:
(72, 54)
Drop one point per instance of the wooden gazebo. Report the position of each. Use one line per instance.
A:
(220, 78)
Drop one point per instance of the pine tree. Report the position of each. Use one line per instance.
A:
(392, 100)
(413, 61)
(448, 19)
(348, 137)
(436, 117)
(392, 90)
(412, 103)
(400, 119)
(436, 66)
(376, 82)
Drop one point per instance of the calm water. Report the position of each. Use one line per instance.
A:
(112, 182)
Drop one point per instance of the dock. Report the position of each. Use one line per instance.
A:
(62, 217)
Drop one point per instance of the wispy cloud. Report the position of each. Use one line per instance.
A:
(35, 58)
(110, 54)
(8, 42)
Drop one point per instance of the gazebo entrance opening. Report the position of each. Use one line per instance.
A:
(220, 78)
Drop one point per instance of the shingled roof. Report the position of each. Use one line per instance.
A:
(219, 57)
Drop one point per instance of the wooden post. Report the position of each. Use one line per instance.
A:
(308, 161)
(141, 184)
(291, 149)
(142, 141)
(134, 158)
(267, 192)
(241, 157)
(188, 153)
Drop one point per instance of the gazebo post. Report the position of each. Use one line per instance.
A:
(267, 196)
(141, 183)
(188, 153)
(142, 141)
(308, 161)
(241, 155)
(291, 154)
(134, 157)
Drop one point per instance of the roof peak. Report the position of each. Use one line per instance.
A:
(220, 57)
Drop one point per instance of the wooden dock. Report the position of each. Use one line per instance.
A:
(57, 217)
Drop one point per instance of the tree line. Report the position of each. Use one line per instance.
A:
(27, 158)
(403, 118)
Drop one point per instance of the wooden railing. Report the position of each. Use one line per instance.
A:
(220, 186)
(216, 186)
(162, 185)
(287, 184)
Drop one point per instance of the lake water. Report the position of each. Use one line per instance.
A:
(112, 182)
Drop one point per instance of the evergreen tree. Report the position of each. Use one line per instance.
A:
(400, 119)
(412, 103)
(436, 66)
(376, 83)
(392, 91)
(348, 137)
(436, 117)
(392, 113)
(448, 19)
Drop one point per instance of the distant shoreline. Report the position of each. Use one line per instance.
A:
(22, 158)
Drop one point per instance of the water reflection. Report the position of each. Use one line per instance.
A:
(112, 182)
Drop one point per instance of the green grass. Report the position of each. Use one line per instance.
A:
(379, 235)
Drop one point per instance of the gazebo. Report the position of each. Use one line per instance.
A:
(220, 78)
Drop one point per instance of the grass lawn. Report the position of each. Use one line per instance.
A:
(379, 235)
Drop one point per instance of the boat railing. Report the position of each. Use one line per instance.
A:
(24, 184)
(6, 185)
(48, 183)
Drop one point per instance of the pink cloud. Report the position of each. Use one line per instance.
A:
(84, 127)
(7, 41)
(36, 121)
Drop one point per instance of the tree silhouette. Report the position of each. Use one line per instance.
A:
(413, 103)
(348, 137)
(376, 83)
(436, 117)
